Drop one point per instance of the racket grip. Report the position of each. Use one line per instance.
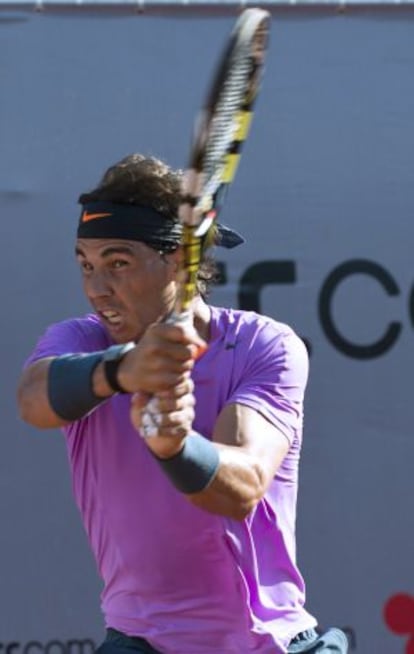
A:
(182, 319)
(150, 419)
(179, 318)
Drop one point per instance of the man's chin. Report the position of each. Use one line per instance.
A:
(120, 333)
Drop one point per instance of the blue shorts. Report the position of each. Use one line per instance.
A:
(333, 641)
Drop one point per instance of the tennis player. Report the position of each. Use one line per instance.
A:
(191, 514)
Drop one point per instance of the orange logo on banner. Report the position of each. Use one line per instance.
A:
(93, 216)
(399, 618)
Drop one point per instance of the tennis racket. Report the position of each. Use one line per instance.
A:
(220, 130)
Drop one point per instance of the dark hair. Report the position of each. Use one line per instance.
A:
(137, 179)
(148, 181)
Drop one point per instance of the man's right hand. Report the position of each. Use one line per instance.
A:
(162, 359)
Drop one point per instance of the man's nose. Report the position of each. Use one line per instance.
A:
(98, 285)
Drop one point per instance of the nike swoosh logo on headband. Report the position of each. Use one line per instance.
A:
(93, 216)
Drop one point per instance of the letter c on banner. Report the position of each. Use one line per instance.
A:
(338, 274)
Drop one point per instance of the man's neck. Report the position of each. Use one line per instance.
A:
(202, 317)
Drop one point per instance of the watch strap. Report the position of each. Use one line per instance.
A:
(111, 361)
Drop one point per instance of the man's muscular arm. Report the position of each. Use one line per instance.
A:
(230, 473)
(33, 394)
(160, 360)
(249, 451)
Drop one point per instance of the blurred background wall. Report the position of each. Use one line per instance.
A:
(324, 196)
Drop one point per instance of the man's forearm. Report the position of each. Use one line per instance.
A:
(57, 390)
(32, 397)
(237, 486)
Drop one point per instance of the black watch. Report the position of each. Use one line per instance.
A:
(112, 358)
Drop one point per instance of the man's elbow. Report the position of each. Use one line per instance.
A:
(243, 505)
(235, 506)
(246, 505)
(32, 411)
(24, 404)
(235, 509)
(27, 410)
(242, 511)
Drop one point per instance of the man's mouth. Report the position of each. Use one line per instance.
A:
(111, 317)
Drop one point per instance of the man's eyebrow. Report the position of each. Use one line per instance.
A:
(118, 249)
(109, 251)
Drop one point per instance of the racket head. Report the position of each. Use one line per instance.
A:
(220, 130)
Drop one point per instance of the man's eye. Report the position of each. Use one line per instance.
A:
(85, 266)
(119, 263)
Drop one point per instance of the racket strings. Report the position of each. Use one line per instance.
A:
(220, 130)
(224, 123)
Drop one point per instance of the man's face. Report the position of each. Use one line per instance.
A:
(128, 284)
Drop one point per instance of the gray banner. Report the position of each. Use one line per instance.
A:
(324, 196)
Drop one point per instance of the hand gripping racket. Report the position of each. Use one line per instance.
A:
(220, 131)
